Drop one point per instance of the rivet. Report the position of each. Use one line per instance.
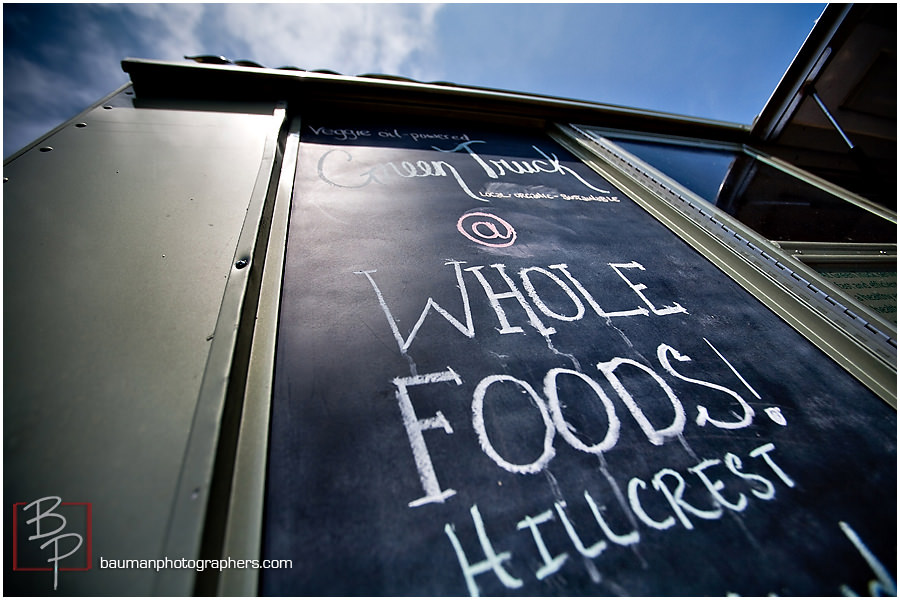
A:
(195, 494)
(5, 179)
(108, 107)
(46, 148)
(80, 124)
(242, 263)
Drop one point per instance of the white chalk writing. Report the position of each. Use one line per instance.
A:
(512, 292)
(668, 483)
(884, 585)
(550, 411)
(331, 161)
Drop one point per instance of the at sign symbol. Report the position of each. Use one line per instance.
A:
(486, 229)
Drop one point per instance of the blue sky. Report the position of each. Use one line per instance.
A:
(719, 61)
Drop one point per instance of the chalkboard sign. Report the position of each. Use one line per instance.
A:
(497, 375)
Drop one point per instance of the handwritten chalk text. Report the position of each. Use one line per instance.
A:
(502, 287)
(550, 407)
(730, 480)
(333, 162)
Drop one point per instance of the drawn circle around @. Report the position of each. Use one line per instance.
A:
(486, 229)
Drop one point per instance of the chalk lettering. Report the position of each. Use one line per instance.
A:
(492, 562)
(467, 146)
(437, 136)
(885, 584)
(557, 167)
(677, 501)
(733, 370)
(656, 436)
(776, 415)
(468, 329)
(516, 166)
(341, 134)
(736, 466)
(513, 293)
(535, 195)
(562, 426)
(553, 420)
(532, 293)
(715, 487)
(367, 176)
(764, 451)
(669, 487)
(639, 287)
(703, 417)
(593, 303)
(479, 425)
(589, 198)
(414, 428)
(569, 284)
(637, 508)
(552, 564)
(592, 551)
(622, 540)
(439, 166)
(382, 172)
(486, 229)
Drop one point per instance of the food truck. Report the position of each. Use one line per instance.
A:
(284, 332)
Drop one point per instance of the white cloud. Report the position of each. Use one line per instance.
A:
(169, 31)
(54, 77)
(348, 38)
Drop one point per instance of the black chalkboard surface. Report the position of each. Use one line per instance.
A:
(498, 375)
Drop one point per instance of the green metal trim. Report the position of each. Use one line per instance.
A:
(675, 140)
(194, 499)
(822, 253)
(867, 352)
(243, 536)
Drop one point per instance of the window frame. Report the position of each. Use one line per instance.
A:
(763, 157)
(852, 334)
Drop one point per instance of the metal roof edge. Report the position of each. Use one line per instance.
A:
(157, 78)
(805, 65)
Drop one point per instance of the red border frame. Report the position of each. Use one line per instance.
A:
(88, 535)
